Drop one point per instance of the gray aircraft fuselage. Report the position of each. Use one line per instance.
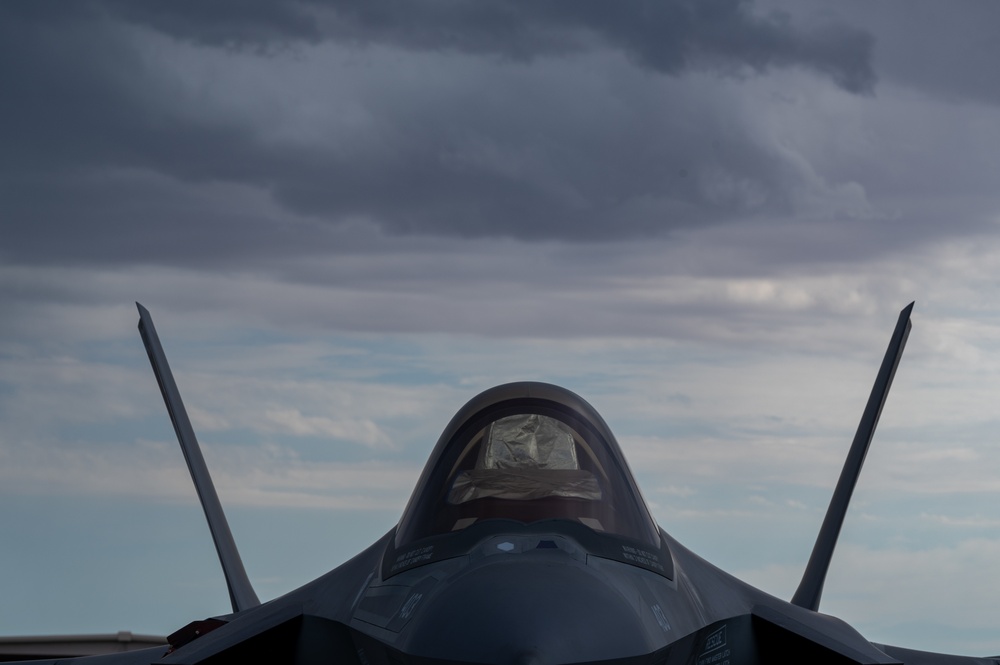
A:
(573, 571)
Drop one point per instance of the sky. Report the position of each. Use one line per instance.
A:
(347, 219)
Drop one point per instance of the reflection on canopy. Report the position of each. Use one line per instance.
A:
(525, 457)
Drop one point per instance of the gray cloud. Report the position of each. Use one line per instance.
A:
(668, 37)
(947, 50)
(234, 23)
(136, 139)
(111, 142)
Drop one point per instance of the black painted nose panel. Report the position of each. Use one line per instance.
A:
(520, 611)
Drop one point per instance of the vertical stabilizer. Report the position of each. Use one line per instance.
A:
(811, 587)
(241, 592)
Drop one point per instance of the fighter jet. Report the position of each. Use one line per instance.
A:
(526, 541)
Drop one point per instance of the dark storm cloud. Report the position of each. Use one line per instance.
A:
(224, 23)
(946, 49)
(666, 36)
(106, 146)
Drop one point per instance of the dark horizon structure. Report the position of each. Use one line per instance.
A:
(33, 647)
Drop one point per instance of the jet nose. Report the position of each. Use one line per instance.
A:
(528, 613)
(527, 658)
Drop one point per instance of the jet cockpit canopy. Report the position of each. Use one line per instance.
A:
(527, 452)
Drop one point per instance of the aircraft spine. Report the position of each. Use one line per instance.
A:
(811, 587)
(241, 592)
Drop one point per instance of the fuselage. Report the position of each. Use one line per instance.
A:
(526, 540)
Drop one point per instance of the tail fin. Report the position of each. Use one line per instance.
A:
(811, 587)
(241, 592)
